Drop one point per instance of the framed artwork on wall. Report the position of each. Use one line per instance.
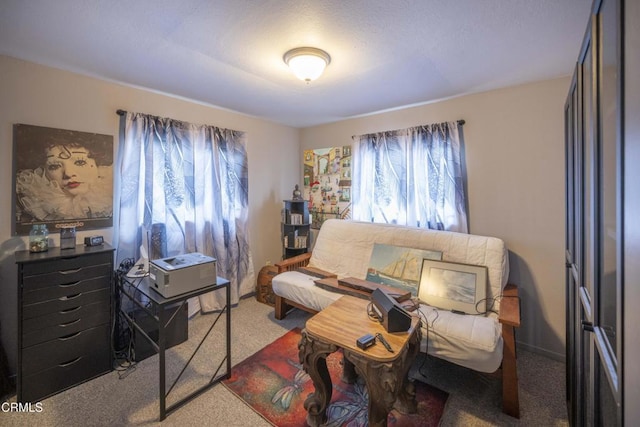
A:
(62, 178)
(453, 286)
(327, 183)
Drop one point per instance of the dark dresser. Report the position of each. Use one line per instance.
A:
(64, 318)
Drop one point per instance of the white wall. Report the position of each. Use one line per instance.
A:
(514, 140)
(43, 96)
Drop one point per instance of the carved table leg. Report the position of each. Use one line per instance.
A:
(406, 399)
(349, 374)
(387, 383)
(382, 386)
(313, 356)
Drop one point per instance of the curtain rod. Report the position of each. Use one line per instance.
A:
(123, 112)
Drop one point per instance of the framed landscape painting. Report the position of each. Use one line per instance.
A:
(454, 286)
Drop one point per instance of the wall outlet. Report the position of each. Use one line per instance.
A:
(267, 263)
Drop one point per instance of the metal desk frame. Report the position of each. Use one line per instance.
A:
(128, 287)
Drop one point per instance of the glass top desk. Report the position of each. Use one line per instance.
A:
(140, 292)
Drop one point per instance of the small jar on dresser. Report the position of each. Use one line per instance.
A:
(64, 318)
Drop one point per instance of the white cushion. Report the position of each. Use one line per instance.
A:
(474, 342)
(299, 287)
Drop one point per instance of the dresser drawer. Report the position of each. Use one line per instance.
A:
(66, 290)
(63, 316)
(65, 303)
(37, 282)
(67, 264)
(62, 350)
(66, 329)
(64, 375)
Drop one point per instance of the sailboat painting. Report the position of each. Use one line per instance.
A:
(398, 267)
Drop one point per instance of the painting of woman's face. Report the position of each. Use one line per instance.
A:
(62, 178)
(72, 168)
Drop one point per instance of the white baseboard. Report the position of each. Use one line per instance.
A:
(560, 357)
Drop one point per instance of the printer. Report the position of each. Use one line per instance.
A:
(178, 274)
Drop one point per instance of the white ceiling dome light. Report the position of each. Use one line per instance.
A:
(307, 63)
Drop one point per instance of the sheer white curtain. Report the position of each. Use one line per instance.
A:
(411, 177)
(191, 181)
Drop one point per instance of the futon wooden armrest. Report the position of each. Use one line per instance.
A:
(510, 319)
(510, 306)
(293, 262)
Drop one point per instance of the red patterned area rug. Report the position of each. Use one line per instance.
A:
(273, 383)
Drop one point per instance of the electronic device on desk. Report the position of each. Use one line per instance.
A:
(393, 317)
(141, 267)
(94, 241)
(182, 273)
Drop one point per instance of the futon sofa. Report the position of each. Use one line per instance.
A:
(484, 343)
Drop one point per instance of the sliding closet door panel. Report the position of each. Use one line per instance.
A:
(631, 205)
(607, 406)
(587, 276)
(587, 214)
(609, 280)
(576, 223)
(598, 216)
(609, 176)
(586, 371)
(570, 206)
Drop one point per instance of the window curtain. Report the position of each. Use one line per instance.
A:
(411, 177)
(187, 185)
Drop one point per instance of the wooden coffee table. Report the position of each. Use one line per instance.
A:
(385, 373)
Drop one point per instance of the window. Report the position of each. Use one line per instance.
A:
(411, 177)
(190, 182)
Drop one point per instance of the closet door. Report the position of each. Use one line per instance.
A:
(571, 163)
(594, 282)
(608, 250)
(586, 217)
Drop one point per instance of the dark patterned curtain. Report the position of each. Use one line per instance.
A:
(187, 186)
(411, 177)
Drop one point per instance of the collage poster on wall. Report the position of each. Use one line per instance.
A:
(327, 183)
(62, 178)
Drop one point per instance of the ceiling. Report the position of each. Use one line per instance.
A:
(385, 54)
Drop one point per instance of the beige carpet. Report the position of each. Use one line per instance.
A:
(475, 399)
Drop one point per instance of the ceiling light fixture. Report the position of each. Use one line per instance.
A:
(307, 63)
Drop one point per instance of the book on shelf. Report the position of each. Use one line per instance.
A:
(301, 242)
(292, 218)
(296, 219)
(294, 241)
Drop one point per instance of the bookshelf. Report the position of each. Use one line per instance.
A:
(295, 228)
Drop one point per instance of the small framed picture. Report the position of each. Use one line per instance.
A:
(453, 286)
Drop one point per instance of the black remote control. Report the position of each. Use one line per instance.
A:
(384, 342)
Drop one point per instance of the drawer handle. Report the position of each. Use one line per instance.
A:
(71, 362)
(70, 271)
(69, 297)
(69, 310)
(68, 337)
(64, 325)
(66, 285)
